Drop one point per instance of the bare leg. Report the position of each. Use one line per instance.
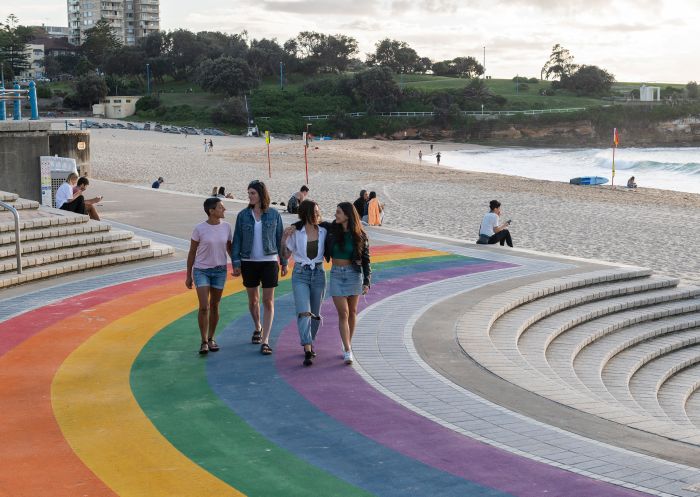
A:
(352, 314)
(203, 315)
(254, 306)
(92, 212)
(214, 299)
(269, 306)
(341, 305)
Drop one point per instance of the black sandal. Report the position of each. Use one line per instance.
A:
(257, 337)
(265, 349)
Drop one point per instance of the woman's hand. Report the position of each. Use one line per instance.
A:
(365, 289)
(236, 272)
(188, 282)
(284, 271)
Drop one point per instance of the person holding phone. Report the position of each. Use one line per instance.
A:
(347, 246)
(492, 231)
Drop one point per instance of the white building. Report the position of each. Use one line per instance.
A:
(649, 93)
(35, 60)
(116, 107)
(131, 20)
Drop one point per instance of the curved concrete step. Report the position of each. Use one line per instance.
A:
(87, 226)
(674, 393)
(66, 241)
(50, 270)
(692, 408)
(646, 383)
(591, 346)
(77, 252)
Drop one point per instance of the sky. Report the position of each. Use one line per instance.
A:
(641, 40)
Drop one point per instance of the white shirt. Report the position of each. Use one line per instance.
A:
(258, 254)
(64, 194)
(297, 244)
(488, 224)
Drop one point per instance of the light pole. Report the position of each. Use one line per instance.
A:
(484, 61)
(281, 75)
(148, 79)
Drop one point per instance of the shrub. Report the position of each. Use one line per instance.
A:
(231, 111)
(147, 103)
(43, 91)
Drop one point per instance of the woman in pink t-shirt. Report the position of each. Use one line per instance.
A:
(206, 268)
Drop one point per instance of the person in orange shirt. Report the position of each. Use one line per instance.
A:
(375, 210)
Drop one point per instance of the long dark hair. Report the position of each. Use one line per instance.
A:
(260, 187)
(354, 227)
(307, 211)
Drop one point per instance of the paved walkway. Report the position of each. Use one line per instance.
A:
(103, 394)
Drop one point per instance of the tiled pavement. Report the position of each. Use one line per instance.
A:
(388, 360)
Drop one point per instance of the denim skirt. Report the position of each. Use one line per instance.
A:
(345, 281)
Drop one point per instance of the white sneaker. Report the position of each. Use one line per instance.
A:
(347, 357)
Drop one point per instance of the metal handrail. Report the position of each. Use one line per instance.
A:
(18, 246)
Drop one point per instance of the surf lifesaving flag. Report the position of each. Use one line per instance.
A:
(616, 137)
(616, 142)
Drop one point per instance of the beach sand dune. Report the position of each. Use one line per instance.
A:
(653, 228)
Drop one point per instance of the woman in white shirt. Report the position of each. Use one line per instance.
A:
(492, 231)
(305, 241)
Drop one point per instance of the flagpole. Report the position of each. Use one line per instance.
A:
(269, 164)
(615, 142)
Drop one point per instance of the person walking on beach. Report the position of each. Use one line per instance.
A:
(206, 145)
(431, 147)
(360, 204)
(206, 268)
(437, 157)
(347, 246)
(305, 241)
(211, 145)
(375, 210)
(492, 231)
(420, 155)
(256, 255)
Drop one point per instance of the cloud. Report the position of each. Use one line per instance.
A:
(319, 7)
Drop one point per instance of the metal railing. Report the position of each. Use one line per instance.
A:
(475, 113)
(18, 245)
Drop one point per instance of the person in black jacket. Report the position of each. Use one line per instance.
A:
(347, 246)
(360, 203)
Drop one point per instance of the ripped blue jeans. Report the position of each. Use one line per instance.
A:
(309, 287)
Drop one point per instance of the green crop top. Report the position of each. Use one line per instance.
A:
(344, 250)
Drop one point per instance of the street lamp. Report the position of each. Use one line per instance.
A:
(148, 79)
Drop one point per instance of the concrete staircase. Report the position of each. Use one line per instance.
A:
(620, 343)
(56, 242)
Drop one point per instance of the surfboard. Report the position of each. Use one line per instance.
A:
(588, 180)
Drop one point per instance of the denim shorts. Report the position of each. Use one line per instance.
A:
(214, 277)
(345, 281)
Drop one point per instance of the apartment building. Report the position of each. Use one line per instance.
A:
(131, 20)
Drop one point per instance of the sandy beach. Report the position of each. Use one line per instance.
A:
(648, 227)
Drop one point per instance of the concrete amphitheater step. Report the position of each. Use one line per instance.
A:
(647, 381)
(74, 252)
(692, 408)
(42, 218)
(21, 204)
(592, 345)
(651, 359)
(84, 226)
(676, 390)
(66, 240)
(50, 270)
(8, 196)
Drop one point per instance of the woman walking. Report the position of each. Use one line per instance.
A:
(305, 241)
(347, 246)
(206, 267)
(255, 253)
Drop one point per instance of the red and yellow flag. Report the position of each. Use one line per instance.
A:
(616, 137)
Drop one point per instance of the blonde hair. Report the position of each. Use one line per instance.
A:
(71, 177)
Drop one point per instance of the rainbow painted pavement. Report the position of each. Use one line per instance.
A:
(103, 394)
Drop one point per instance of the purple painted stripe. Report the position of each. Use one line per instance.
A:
(341, 393)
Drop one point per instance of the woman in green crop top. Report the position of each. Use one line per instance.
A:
(348, 247)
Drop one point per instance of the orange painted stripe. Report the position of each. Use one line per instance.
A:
(35, 456)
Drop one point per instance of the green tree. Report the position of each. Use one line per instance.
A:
(377, 90)
(560, 63)
(396, 55)
(90, 89)
(231, 111)
(589, 80)
(461, 67)
(13, 44)
(100, 42)
(319, 52)
(57, 65)
(226, 75)
(692, 89)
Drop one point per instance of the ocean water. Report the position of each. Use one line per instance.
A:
(666, 168)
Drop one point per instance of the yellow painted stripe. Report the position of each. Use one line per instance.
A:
(103, 423)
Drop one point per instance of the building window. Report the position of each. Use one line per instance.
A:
(117, 101)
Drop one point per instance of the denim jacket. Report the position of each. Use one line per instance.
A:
(242, 244)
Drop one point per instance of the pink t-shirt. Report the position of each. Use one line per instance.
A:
(212, 239)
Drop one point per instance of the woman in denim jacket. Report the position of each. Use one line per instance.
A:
(305, 241)
(257, 242)
(347, 246)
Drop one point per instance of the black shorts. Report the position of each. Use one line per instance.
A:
(254, 273)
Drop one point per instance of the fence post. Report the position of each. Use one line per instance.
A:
(3, 114)
(17, 109)
(33, 104)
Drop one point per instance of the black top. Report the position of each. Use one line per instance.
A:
(360, 206)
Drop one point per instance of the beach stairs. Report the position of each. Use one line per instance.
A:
(56, 242)
(621, 344)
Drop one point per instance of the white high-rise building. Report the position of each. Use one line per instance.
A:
(131, 20)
